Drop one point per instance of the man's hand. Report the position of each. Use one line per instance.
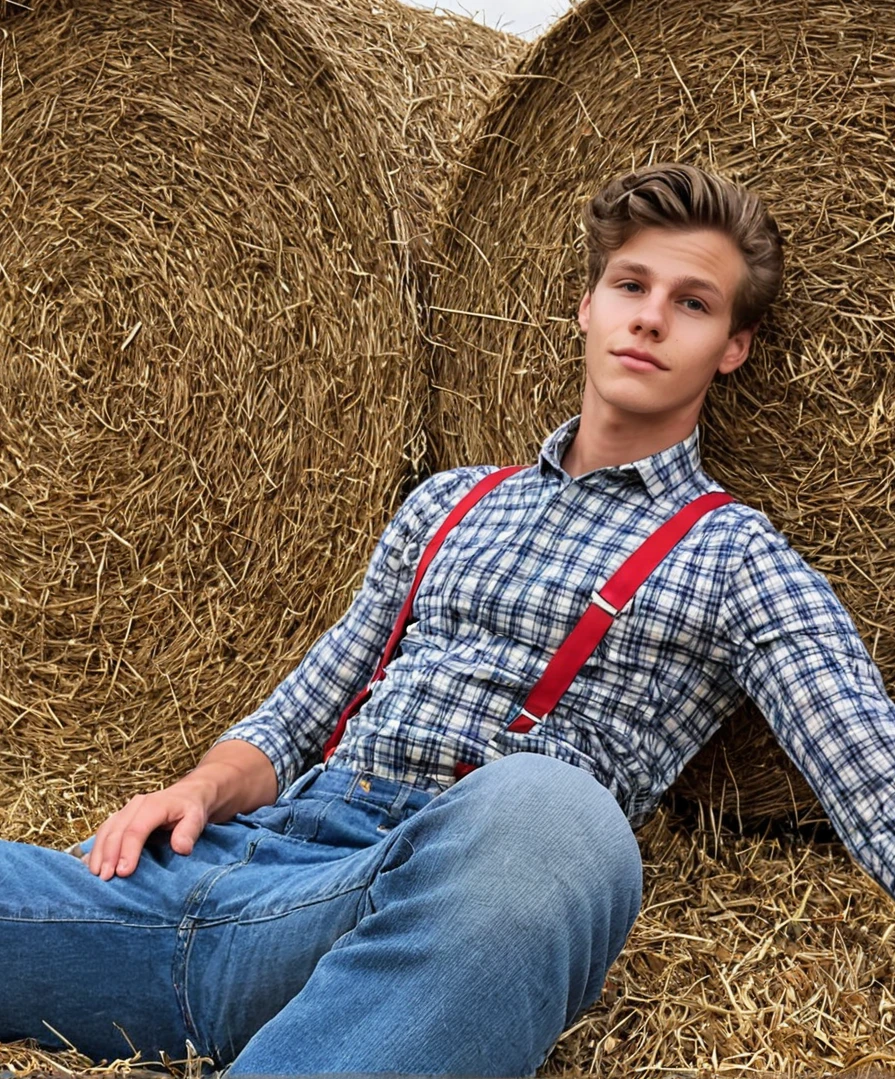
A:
(183, 810)
(233, 777)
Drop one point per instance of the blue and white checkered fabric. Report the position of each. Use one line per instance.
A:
(732, 610)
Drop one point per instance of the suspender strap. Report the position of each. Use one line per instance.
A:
(453, 518)
(571, 655)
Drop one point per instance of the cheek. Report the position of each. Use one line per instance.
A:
(703, 337)
(604, 314)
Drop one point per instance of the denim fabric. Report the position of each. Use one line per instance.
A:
(358, 925)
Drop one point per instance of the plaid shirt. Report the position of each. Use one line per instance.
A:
(732, 610)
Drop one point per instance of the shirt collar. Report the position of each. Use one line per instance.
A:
(659, 473)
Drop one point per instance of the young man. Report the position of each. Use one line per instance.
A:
(448, 891)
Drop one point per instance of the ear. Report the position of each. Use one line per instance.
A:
(736, 351)
(584, 312)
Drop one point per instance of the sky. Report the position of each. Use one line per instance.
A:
(528, 18)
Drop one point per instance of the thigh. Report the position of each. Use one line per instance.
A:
(92, 961)
(491, 920)
(255, 936)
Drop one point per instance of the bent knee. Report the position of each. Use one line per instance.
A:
(530, 806)
(546, 787)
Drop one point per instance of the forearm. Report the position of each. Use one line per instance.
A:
(838, 726)
(291, 726)
(235, 777)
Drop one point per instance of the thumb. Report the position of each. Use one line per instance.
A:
(188, 830)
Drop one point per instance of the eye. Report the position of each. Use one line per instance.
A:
(631, 286)
(694, 304)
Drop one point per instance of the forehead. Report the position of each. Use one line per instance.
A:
(672, 255)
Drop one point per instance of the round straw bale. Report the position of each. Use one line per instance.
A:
(208, 396)
(428, 76)
(795, 102)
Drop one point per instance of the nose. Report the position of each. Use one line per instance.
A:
(650, 318)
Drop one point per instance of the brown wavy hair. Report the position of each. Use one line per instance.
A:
(673, 196)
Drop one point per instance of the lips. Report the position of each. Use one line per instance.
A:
(637, 360)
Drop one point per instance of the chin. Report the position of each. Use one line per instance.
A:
(637, 403)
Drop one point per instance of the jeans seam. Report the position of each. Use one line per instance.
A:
(90, 921)
(285, 913)
(186, 931)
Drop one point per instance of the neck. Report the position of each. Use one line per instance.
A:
(606, 438)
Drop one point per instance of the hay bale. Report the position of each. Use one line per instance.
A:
(795, 103)
(209, 401)
(428, 76)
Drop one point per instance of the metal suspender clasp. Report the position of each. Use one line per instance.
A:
(524, 722)
(528, 715)
(598, 601)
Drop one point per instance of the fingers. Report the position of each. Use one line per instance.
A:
(141, 825)
(119, 841)
(107, 845)
(184, 836)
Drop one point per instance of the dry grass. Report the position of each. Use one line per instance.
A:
(428, 79)
(171, 535)
(198, 336)
(796, 102)
(26, 1059)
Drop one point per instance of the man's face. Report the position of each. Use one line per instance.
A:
(657, 325)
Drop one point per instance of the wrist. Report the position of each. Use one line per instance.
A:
(207, 783)
(233, 777)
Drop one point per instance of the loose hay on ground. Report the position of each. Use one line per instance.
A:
(796, 102)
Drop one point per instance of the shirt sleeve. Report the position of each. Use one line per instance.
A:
(796, 652)
(292, 725)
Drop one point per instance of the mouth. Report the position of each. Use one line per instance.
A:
(638, 360)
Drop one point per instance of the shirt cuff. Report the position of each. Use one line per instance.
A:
(275, 747)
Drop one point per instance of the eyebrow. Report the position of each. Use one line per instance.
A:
(638, 269)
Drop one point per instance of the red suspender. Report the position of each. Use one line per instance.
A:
(571, 655)
(591, 628)
(454, 517)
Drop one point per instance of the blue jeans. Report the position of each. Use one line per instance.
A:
(357, 925)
